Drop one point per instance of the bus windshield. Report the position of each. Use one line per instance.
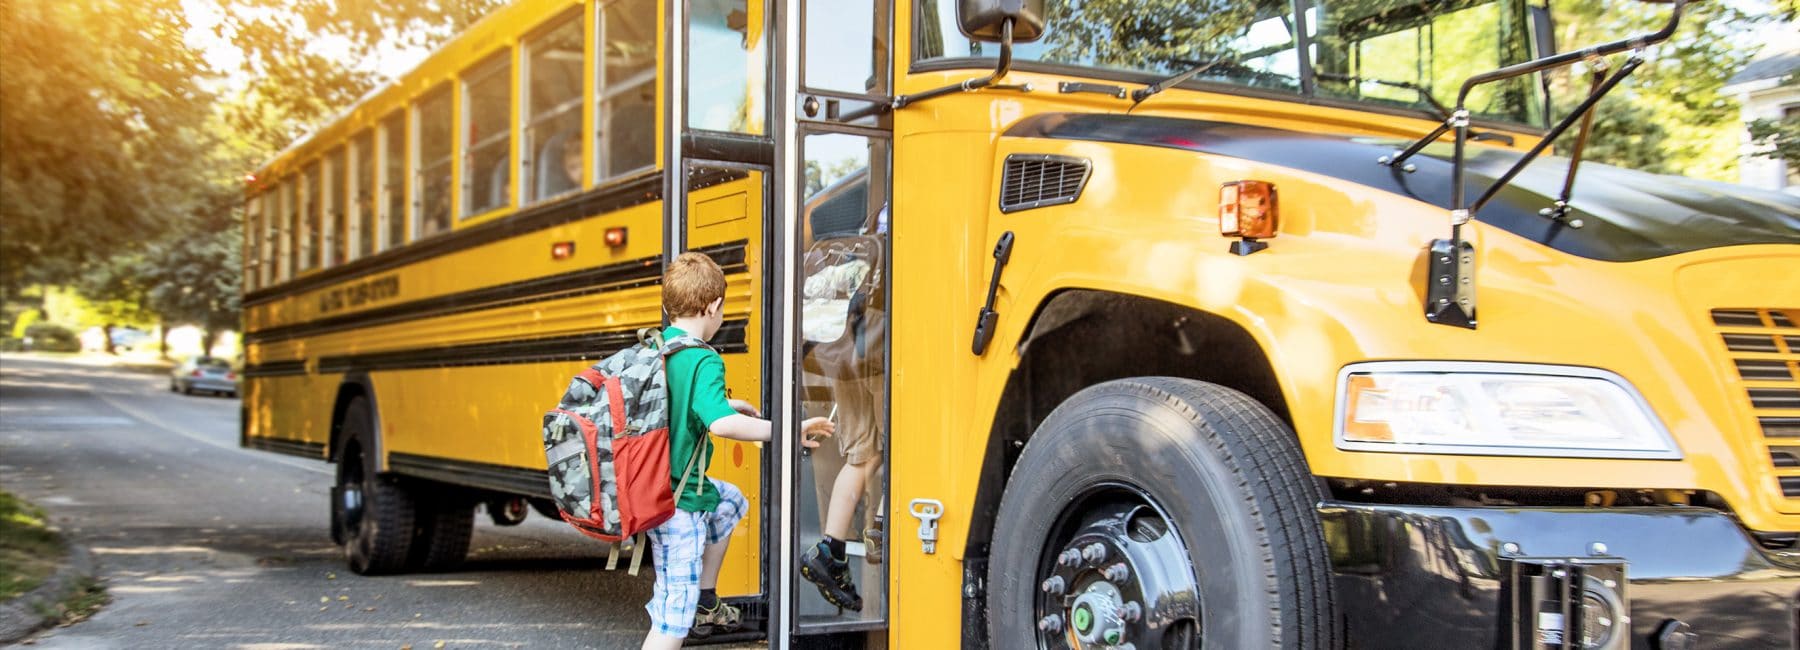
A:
(1396, 53)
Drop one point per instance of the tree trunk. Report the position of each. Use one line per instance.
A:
(107, 330)
(207, 337)
(162, 337)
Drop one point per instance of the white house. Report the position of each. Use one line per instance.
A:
(1767, 88)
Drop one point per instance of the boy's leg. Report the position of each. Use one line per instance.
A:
(679, 545)
(845, 492)
(713, 616)
(719, 524)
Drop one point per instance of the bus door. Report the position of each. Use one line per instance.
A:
(719, 156)
(836, 256)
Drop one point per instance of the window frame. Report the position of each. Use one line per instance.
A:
(387, 189)
(312, 252)
(332, 211)
(606, 90)
(418, 168)
(526, 170)
(464, 151)
(358, 178)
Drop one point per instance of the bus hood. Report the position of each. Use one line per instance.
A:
(1626, 215)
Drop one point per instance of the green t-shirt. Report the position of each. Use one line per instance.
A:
(696, 400)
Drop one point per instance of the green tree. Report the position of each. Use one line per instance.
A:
(294, 84)
(1780, 137)
(100, 108)
(1669, 116)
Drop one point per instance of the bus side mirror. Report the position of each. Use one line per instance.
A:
(982, 20)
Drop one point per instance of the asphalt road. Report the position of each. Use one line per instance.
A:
(206, 545)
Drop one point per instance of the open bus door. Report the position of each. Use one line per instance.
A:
(776, 134)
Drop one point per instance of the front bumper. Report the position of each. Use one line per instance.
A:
(1429, 576)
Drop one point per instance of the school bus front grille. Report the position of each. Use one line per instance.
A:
(1765, 349)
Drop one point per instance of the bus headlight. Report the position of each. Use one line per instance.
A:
(1500, 409)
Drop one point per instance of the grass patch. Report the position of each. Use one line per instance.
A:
(29, 550)
(85, 597)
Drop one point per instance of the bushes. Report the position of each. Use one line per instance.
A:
(50, 337)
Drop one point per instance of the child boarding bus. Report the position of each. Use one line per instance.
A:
(1244, 323)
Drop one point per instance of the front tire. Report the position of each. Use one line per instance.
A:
(1167, 500)
(372, 515)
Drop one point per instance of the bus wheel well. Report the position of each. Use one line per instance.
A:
(353, 386)
(1079, 338)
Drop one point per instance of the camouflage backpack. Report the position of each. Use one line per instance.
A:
(607, 443)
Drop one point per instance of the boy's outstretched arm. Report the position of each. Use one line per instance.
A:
(738, 426)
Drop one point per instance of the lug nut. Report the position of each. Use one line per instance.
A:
(1053, 585)
(1051, 624)
(1094, 553)
(1116, 572)
(1069, 557)
(1133, 611)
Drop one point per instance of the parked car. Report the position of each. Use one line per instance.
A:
(204, 374)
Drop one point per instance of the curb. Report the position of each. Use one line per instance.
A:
(27, 613)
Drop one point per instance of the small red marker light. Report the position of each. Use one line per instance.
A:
(615, 236)
(562, 250)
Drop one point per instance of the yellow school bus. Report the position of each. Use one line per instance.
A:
(1248, 323)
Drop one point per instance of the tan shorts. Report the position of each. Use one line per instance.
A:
(861, 416)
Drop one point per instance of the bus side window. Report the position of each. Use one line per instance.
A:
(627, 89)
(393, 179)
(487, 143)
(552, 148)
(431, 143)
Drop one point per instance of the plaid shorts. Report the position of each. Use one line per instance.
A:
(678, 546)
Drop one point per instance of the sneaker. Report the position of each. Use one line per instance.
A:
(721, 619)
(872, 543)
(831, 576)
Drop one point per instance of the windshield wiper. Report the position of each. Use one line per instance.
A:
(1424, 93)
(1194, 68)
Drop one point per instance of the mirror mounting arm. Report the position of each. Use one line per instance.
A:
(1005, 65)
(1450, 277)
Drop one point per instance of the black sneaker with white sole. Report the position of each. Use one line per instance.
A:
(831, 576)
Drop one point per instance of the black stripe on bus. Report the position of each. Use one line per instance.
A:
(301, 448)
(612, 277)
(577, 347)
(499, 478)
(275, 368)
(637, 191)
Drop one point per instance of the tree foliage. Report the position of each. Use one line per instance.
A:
(1669, 116)
(100, 115)
(295, 83)
(1780, 139)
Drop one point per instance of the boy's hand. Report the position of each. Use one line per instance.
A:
(813, 429)
(744, 407)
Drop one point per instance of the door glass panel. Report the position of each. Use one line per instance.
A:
(844, 324)
(844, 51)
(727, 74)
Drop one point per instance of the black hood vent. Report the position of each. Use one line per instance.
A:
(1035, 180)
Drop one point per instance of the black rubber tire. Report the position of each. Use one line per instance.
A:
(443, 526)
(187, 389)
(382, 541)
(1232, 480)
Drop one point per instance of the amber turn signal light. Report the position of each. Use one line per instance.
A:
(615, 236)
(1247, 209)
